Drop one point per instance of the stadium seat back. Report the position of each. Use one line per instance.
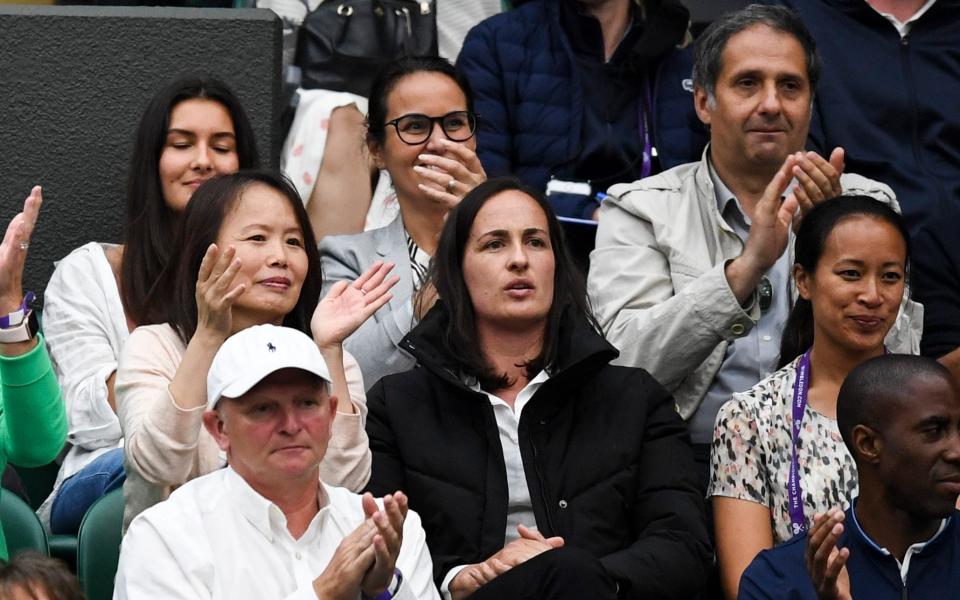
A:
(21, 527)
(98, 546)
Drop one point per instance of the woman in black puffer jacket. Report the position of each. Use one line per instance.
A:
(539, 469)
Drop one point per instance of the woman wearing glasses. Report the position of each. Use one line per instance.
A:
(420, 128)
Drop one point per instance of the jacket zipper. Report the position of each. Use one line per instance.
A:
(547, 509)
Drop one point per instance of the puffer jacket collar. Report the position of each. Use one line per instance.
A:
(582, 350)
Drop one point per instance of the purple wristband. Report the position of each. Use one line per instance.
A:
(392, 589)
(16, 317)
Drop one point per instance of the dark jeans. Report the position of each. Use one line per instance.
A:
(83, 488)
(564, 573)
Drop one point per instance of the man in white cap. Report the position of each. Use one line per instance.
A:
(266, 527)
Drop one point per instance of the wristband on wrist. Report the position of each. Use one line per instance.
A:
(24, 332)
(392, 589)
(18, 316)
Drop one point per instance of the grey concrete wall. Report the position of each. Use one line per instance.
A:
(73, 83)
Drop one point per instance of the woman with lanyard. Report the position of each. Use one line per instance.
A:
(777, 455)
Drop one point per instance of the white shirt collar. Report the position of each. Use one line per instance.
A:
(904, 27)
(913, 549)
(265, 516)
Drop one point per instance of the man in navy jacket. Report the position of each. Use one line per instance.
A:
(888, 96)
(899, 416)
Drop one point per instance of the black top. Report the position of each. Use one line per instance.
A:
(607, 459)
(616, 93)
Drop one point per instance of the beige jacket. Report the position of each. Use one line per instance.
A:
(165, 446)
(657, 283)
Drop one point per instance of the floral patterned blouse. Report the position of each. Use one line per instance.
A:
(753, 447)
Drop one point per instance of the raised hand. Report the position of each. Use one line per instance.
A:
(13, 251)
(216, 292)
(817, 179)
(387, 541)
(769, 232)
(456, 177)
(347, 305)
(825, 562)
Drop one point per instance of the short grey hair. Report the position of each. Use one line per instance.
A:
(708, 52)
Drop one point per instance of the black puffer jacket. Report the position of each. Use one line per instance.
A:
(608, 463)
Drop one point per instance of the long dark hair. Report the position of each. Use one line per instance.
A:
(808, 248)
(446, 274)
(149, 227)
(173, 299)
(388, 78)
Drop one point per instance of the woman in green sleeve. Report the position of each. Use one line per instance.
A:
(33, 425)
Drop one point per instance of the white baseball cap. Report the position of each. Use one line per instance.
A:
(248, 356)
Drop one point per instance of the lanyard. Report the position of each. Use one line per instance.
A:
(800, 388)
(794, 501)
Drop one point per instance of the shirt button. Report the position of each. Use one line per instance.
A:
(767, 338)
(737, 329)
(298, 556)
(563, 504)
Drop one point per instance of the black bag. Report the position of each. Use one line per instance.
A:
(343, 44)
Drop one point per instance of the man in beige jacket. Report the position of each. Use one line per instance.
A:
(690, 278)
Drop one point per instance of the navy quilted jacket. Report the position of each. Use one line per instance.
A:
(528, 95)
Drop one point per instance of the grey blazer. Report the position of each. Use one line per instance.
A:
(375, 343)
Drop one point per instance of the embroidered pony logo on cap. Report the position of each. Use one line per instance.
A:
(271, 347)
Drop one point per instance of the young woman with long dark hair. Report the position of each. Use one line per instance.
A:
(193, 129)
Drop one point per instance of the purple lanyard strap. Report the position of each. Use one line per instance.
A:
(800, 388)
(794, 492)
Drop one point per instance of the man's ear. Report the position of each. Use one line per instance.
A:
(703, 105)
(866, 443)
(216, 427)
(802, 279)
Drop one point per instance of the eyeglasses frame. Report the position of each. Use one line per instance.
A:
(472, 118)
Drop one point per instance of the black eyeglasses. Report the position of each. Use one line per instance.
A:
(415, 129)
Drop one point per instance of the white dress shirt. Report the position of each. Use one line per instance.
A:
(215, 537)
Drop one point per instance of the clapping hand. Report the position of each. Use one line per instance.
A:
(366, 558)
(347, 305)
(817, 179)
(387, 541)
(826, 563)
(216, 292)
(351, 561)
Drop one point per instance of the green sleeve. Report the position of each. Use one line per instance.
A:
(33, 423)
